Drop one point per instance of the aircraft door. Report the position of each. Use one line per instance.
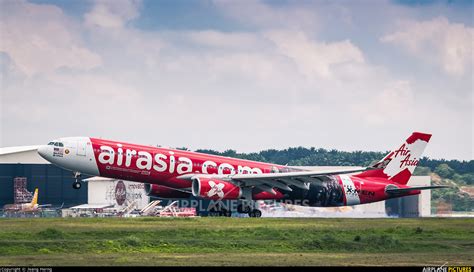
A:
(81, 148)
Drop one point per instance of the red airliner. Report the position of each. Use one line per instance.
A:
(172, 173)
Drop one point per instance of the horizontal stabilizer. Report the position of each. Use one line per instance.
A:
(406, 190)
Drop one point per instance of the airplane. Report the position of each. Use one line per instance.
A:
(26, 207)
(174, 174)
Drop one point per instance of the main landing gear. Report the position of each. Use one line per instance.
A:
(219, 209)
(255, 213)
(77, 184)
(246, 208)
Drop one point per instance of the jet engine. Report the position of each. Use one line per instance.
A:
(215, 189)
(160, 191)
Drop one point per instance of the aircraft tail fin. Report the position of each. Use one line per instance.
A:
(34, 201)
(398, 165)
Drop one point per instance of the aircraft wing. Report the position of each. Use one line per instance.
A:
(266, 182)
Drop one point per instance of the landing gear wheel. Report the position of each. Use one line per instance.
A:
(214, 211)
(255, 213)
(243, 208)
(226, 213)
(76, 185)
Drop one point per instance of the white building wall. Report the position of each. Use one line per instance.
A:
(107, 191)
(424, 199)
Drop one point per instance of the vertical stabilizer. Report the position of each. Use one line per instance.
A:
(34, 201)
(398, 165)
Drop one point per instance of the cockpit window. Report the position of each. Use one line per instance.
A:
(56, 144)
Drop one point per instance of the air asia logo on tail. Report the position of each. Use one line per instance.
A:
(405, 157)
(398, 165)
(406, 161)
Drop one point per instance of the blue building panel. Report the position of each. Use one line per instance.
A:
(54, 184)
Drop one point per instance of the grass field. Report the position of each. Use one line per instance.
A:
(236, 241)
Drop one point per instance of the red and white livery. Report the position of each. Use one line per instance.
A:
(172, 173)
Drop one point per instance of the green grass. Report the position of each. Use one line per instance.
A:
(236, 241)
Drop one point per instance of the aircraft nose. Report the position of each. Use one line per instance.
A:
(43, 151)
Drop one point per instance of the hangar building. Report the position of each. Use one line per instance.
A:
(54, 184)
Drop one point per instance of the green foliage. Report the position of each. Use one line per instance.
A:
(464, 179)
(444, 171)
(44, 251)
(460, 201)
(384, 241)
(422, 171)
(51, 233)
(460, 167)
(458, 179)
(132, 241)
(468, 178)
(144, 241)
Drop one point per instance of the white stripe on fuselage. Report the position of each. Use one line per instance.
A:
(352, 197)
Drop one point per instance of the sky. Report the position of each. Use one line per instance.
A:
(246, 75)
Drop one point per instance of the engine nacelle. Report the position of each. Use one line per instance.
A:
(160, 191)
(215, 189)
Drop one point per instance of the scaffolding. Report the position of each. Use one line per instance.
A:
(172, 210)
(130, 206)
(150, 208)
(20, 193)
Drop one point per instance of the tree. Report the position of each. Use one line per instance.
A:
(422, 171)
(444, 171)
(468, 178)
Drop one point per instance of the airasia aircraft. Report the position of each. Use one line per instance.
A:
(172, 173)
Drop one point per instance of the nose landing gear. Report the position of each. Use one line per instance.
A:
(77, 184)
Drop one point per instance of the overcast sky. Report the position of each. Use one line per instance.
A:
(244, 75)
